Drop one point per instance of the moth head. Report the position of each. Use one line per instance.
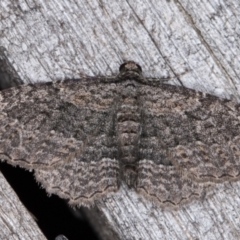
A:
(130, 70)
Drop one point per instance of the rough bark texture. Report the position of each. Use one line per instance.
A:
(48, 40)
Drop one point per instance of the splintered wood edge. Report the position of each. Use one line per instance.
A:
(15, 220)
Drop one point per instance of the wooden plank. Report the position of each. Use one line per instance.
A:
(15, 221)
(48, 40)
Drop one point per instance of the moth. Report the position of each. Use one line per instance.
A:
(85, 137)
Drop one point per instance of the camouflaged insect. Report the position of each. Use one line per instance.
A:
(84, 137)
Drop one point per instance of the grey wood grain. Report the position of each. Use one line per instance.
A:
(196, 40)
(15, 221)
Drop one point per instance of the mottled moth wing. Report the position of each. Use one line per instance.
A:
(68, 124)
(187, 137)
(81, 182)
(46, 124)
(166, 185)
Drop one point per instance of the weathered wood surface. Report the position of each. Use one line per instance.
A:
(49, 40)
(15, 221)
